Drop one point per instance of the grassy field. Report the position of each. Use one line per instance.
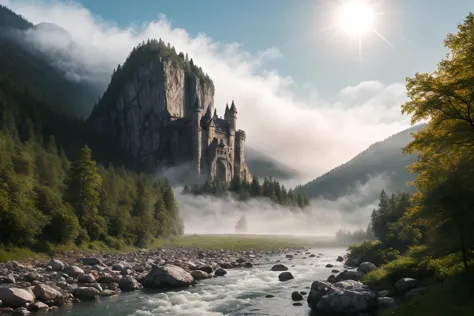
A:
(209, 242)
(246, 242)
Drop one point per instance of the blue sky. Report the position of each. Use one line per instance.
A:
(313, 108)
(292, 27)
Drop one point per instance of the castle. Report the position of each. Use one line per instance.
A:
(217, 145)
(159, 108)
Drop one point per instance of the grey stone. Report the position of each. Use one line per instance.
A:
(14, 297)
(285, 276)
(366, 267)
(56, 265)
(200, 275)
(406, 284)
(167, 277)
(279, 267)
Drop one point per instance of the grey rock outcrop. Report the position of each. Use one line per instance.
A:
(279, 267)
(285, 276)
(157, 92)
(200, 275)
(14, 297)
(406, 284)
(46, 293)
(56, 265)
(167, 277)
(128, 283)
(86, 293)
(366, 267)
(346, 297)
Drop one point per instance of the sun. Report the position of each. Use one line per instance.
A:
(356, 17)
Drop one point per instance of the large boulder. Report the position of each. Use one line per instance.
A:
(296, 296)
(46, 293)
(86, 278)
(279, 267)
(9, 278)
(128, 283)
(220, 272)
(167, 277)
(318, 289)
(73, 271)
(406, 284)
(200, 275)
(90, 261)
(349, 275)
(14, 297)
(347, 302)
(344, 297)
(385, 302)
(349, 285)
(32, 276)
(285, 276)
(366, 267)
(56, 265)
(86, 293)
(207, 269)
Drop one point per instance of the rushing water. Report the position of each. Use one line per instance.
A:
(240, 292)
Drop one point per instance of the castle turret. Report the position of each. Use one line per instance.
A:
(231, 115)
(239, 160)
(196, 135)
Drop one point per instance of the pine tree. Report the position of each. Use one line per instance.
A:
(255, 189)
(83, 192)
(242, 225)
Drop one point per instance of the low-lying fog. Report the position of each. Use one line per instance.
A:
(212, 215)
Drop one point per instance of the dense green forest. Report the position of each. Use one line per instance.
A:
(52, 192)
(46, 199)
(429, 236)
(270, 189)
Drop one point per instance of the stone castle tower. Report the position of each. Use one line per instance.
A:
(217, 145)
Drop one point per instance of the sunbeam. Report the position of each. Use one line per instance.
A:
(383, 38)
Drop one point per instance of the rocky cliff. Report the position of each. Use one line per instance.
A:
(154, 87)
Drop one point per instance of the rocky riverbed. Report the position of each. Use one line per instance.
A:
(48, 285)
(201, 282)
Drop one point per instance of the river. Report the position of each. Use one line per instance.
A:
(241, 292)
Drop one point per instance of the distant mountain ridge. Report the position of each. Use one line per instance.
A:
(263, 166)
(24, 64)
(381, 158)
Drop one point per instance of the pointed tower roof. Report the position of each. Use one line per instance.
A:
(215, 113)
(227, 108)
(232, 107)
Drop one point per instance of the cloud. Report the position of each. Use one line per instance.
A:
(284, 119)
(208, 214)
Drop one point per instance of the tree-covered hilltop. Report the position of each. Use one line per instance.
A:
(52, 192)
(46, 200)
(25, 70)
(142, 55)
(429, 236)
(270, 189)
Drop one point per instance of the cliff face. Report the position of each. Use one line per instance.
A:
(144, 99)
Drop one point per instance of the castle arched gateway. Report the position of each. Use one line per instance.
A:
(222, 170)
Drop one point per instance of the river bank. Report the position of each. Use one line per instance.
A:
(71, 277)
(242, 291)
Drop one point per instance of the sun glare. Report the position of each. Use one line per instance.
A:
(356, 17)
